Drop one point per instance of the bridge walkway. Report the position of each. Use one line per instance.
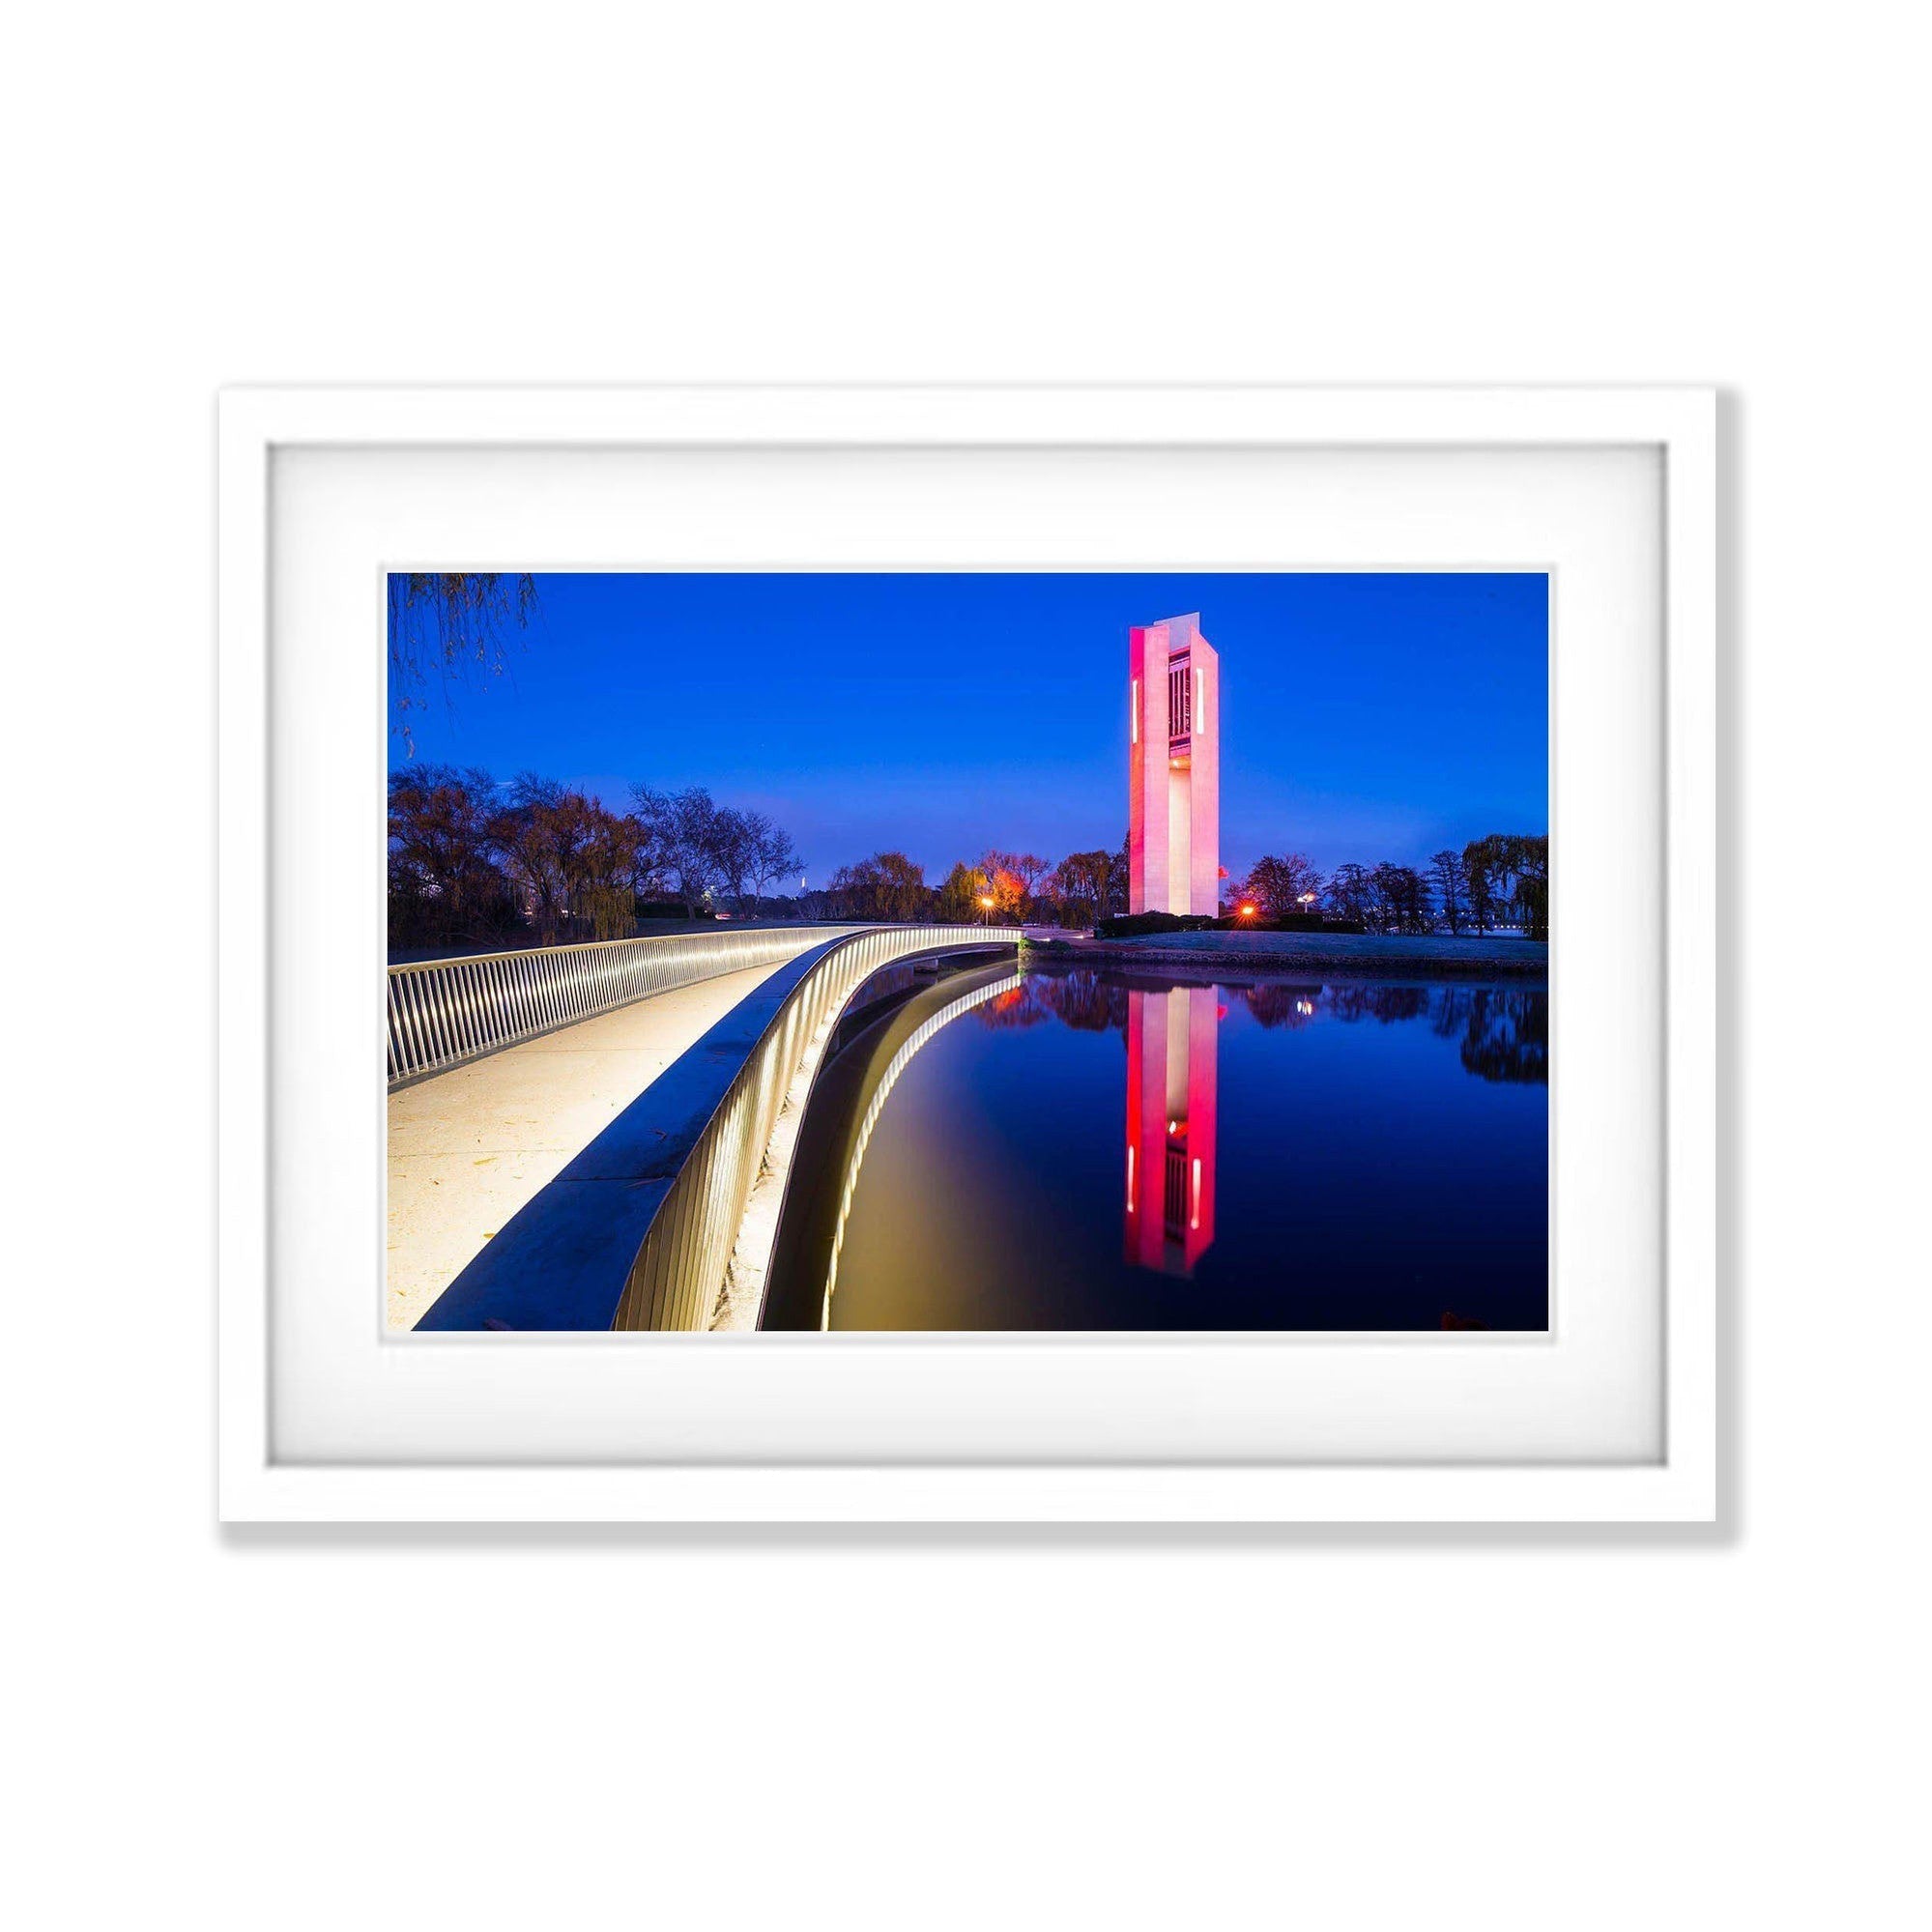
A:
(469, 1148)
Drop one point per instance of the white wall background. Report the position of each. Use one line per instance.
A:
(442, 1729)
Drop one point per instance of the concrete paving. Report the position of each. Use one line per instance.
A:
(470, 1147)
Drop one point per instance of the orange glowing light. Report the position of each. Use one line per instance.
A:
(1247, 912)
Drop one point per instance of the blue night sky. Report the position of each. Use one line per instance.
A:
(1362, 717)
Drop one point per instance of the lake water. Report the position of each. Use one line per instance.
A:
(1068, 1149)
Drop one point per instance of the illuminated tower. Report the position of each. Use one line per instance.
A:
(1173, 770)
(1171, 1127)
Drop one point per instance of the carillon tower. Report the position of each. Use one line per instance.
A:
(1174, 768)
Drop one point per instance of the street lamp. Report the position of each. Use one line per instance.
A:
(986, 901)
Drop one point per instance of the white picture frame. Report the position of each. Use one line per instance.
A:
(265, 1404)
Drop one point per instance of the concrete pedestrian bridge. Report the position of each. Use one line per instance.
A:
(575, 1132)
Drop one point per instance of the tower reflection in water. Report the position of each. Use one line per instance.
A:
(1171, 1127)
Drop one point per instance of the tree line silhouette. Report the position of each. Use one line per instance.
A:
(471, 859)
(474, 860)
(1501, 879)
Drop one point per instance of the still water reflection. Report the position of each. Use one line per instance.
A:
(1071, 1149)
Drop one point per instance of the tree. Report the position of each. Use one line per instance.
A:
(1532, 896)
(1008, 891)
(886, 887)
(1511, 869)
(602, 868)
(525, 831)
(452, 627)
(1029, 868)
(1449, 873)
(683, 837)
(440, 830)
(901, 888)
(732, 842)
(568, 854)
(1480, 887)
(1084, 885)
(958, 897)
(746, 852)
(772, 854)
(1352, 894)
(445, 882)
(1119, 886)
(1277, 885)
(1399, 898)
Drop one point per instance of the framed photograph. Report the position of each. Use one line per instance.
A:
(968, 955)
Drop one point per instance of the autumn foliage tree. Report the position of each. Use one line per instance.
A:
(1010, 894)
(471, 859)
(568, 854)
(1014, 879)
(446, 884)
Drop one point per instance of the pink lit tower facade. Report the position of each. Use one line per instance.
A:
(1173, 770)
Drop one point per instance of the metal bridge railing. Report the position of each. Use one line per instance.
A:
(675, 1280)
(444, 1011)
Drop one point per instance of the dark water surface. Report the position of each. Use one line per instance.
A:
(1069, 1149)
